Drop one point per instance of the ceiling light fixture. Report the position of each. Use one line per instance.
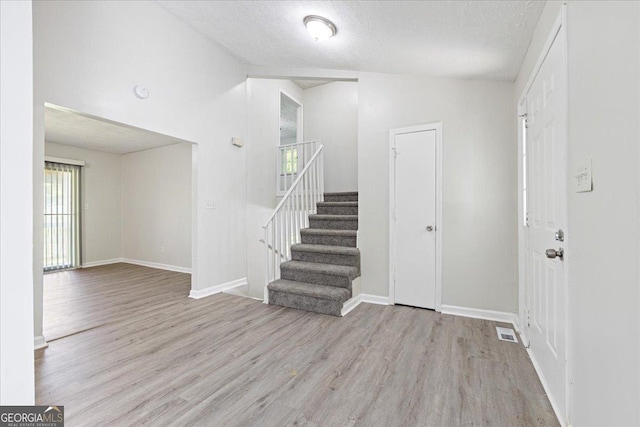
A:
(320, 28)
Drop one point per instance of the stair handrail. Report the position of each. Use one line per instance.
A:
(282, 229)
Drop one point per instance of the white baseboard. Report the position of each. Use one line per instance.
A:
(477, 313)
(103, 262)
(39, 342)
(201, 293)
(545, 385)
(157, 265)
(374, 299)
(350, 304)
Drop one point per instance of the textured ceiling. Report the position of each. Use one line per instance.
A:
(66, 127)
(468, 39)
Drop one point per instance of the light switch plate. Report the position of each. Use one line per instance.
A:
(583, 182)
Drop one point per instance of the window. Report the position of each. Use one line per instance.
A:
(61, 216)
(290, 161)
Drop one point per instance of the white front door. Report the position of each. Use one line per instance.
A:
(415, 219)
(546, 141)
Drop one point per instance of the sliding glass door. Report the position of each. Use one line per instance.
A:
(61, 216)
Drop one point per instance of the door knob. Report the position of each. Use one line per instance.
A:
(429, 227)
(552, 253)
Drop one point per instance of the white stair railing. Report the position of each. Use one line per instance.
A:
(292, 158)
(292, 214)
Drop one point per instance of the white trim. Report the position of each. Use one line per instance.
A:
(291, 73)
(64, 161)
(39, 342)
(149, 264)
(478, 313)
(374, 299)
(216, 289)
(522, 230)
(195, 214)
(157, 265)
(545, 385)
(102, 262)
(351, 304)
(437, 127)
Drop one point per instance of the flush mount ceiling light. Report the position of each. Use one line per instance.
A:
(320, 28)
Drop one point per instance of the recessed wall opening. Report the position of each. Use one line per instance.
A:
(117, 200)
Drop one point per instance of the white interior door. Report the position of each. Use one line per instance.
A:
(415, 219)
(545, 282)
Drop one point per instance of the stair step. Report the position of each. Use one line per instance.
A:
(341, 197)
(326, 254)
(334, 222)
(317, 236)
(308, 297)
(337, 208)
(310, 290)
(339, 276)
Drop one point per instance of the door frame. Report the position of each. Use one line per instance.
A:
(559, 29)
(299, 118)
(437, 127)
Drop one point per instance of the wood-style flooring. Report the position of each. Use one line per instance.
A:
(77, 300)
(156, 357)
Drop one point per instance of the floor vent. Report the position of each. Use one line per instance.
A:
(506, 334)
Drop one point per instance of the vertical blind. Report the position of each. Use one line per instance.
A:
(61, 216)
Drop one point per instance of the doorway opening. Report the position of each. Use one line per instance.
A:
(293, 153)
(116, 199)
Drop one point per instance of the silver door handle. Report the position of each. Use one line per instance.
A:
(429, 227)
(552, 253)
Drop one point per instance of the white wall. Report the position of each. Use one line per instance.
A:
(263, 103)
(89, 55)
(156, 206)
(331, 115)
(101, 190)
(604, 73)
(479, 188)
(16, 205)
(603, 227)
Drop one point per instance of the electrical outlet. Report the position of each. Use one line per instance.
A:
(209, 204)
(161, 249)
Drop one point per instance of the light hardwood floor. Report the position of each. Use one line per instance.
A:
(157, 357)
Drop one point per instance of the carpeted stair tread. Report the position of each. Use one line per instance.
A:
(329, 236)
(337, 208)
(342, 193)
(326, 269)
(329, 232)
(351, 196)
(310, 290)
(334, 217)
(338, 204)
(336, 222)
(326, 249)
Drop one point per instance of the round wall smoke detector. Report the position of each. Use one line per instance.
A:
(141, 92)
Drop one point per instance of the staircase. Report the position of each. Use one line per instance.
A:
(322, 268)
